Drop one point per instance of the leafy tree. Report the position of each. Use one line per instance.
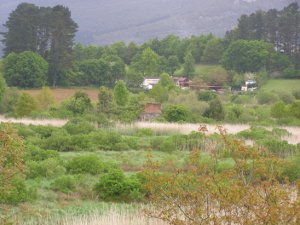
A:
(3, 87)
(159, 93)
(105, 99)
(79, 103)
(132, 50)
(172, 64)
(25, 105)
(134, 78)
(246, 56)
(202, 192)
(63, 30)
(166, 81)
(147, 63)
(176, 113)
(45, 98)
(22, 26)
(121, 94)
(215, 110)
(26, 69)
(189, 65)
(116, 68)
(294, 109)
(213, 51)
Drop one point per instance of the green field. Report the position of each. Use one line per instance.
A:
(203, 71)
(282, 84)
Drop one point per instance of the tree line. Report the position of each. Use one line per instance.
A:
(40, 50)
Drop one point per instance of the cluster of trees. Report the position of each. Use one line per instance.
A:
(279, 28)
(47, 31)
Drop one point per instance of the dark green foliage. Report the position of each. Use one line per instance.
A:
(279, 147)
(144, 132)
(291, 73)
(25, 105)
(176, 113)
(168, 145)
(215, 110)
(206, 96)
(172, 64)
(105, 140)
(26, 69)
(213, 51)
(159, 93)
(65, 184)
(85, 164)
(79, 126)
(155, 142)
(246, 56)
(134, 78)
(114, 186)
(286, 97)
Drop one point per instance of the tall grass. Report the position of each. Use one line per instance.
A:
(104, 214)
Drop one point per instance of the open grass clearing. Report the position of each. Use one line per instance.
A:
(279, 85)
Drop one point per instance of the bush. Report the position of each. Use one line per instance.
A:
(176, 113)
(144, 132)
(156, 142)
(215, 110)
(114, 186)
(294, 109)
(36, 154)
(65, 184)
(122, 146)
(25, 105)
(296, 94)
(206, 96)
(266, 98)
(48, 168)
(292, 169)
(105, 140)
(19, 192)
(168, 145)
(59, 140)
(85, 164)
(9, 100)
(278, 110)
(286, 97)
(78, 126)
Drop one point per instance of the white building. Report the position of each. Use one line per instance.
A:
(149, 83)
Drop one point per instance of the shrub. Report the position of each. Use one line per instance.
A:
(105, 140)
(132, 142)
(48, 168)
(144, 132)
(294, 109)
(296, 94)
(60, 140)
(79, 103)
(85, 164)
(63, 184)
(115, 186)
(281, 148)
(25, 105)
(292, 169)
(176, 113)
(78, 126)
(266, 98)
(19, 192)
(286, 97)
(36, 154)
(215, 110)
(168, 145)
(206, 96)
(156, 142)
(9, 100)
(278, 110)
(122, 146)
